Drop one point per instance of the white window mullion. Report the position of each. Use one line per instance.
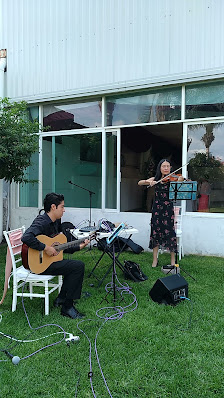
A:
(118, 168)
(53, 166)
(103, 169)
(40, 178)
(103, 110)
(184, 161)
(40, 173)
(183, 102)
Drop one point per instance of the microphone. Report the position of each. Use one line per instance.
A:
(69, 182)
(15, 359)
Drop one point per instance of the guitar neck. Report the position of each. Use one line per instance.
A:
(64, 246)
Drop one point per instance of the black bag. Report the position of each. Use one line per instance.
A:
(132, 271)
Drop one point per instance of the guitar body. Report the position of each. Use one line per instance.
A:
(39, 261)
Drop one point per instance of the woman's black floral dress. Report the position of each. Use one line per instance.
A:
(162, 223)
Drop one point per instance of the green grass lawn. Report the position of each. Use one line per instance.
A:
(154, 351)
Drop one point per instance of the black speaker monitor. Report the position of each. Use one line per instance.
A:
(168, 290)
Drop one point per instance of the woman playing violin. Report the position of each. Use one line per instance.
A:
(162, 222)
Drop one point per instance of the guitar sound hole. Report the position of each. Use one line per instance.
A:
(41, 257)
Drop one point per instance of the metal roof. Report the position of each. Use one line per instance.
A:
(67, 48)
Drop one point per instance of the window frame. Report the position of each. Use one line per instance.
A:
(184, 159)
(104, 129)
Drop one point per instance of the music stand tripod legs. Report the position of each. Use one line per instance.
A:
(113, 288)
(108, 252)
(113, 282)
(181, 268)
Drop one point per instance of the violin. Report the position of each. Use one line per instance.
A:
(171, 178)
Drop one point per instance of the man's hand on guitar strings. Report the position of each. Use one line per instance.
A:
(85, 243)
(50, 251)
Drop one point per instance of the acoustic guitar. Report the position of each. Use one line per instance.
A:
(38, 261)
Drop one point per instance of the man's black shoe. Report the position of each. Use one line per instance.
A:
(71, 312)
(59, 301)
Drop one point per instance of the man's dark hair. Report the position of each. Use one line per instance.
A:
(52, 199)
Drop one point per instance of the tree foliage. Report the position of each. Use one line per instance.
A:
(203, 167)
(18, 140)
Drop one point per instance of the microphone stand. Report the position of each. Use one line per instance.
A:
(90, 199)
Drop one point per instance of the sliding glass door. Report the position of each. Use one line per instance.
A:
(112, 170)
(76, 158)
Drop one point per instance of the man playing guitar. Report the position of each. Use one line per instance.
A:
(49, 224)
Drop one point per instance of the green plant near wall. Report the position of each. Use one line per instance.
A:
(18, 140)
(204, 167)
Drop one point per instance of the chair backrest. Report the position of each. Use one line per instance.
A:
(13, 240)
(177, 218)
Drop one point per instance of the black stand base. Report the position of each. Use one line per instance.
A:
(175, 269)
(111, 254)
(113, 288)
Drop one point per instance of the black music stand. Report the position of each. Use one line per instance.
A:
(110, 245)
(113, 283)
(109, 249)
(185, 190)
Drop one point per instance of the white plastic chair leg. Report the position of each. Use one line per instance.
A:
(182, 250)
(46, 299)
(31, 290)
(14, 299)
(179, 253)
(59, 283)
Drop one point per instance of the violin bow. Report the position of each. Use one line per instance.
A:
(173, 172)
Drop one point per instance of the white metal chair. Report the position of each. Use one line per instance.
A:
(21, 275)
(178, 229)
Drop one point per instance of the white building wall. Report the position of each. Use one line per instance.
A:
(66, 48)
(202, 234)
(62, 48)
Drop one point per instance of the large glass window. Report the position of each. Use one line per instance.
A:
(111, 170)
(72, 116)
(151, 106)
(205, 100)
(28, 193)
(76, 158)
(206, 166)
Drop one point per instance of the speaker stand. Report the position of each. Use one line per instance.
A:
(177, 268)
